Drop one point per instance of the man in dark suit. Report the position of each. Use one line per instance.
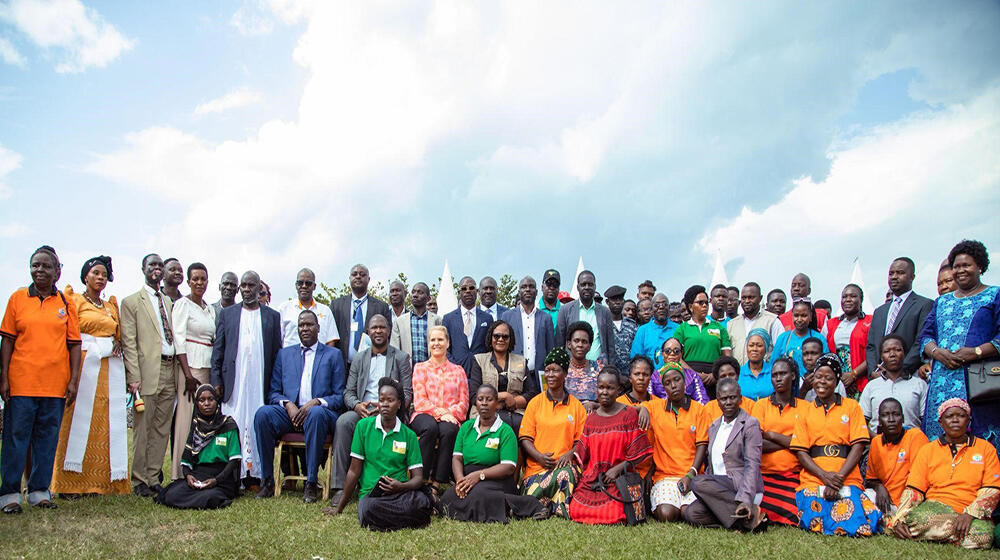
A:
(235, 357)
(533, 335)
(361, 393)
(903, 315)
(307, 392)
(588, 310)
(488, 298)
(352, 312)
(466, 326)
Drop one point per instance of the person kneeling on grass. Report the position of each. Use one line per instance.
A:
(211, 459)
(954, 485)
(385, 457)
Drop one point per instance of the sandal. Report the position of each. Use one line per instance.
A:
(12, 508)
(46, 504)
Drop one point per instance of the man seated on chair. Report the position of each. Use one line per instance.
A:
(306, 394)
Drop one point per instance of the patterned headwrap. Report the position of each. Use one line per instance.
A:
(764, 335)
(953, 402)
(91, 263)
(831, 361)
(558, 356)
(671, 366)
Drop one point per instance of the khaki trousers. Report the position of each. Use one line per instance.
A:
(152, 428)
(182, 417)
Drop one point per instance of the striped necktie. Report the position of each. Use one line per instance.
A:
(890, 321)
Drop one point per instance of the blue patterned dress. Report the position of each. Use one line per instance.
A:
(955, 323)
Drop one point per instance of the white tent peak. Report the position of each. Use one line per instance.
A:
(575, 294)
(866, 305)
(446, 299)
(719, 274)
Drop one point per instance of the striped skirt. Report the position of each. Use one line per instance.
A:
(779, 498)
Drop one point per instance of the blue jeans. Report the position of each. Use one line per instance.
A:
(29, 422)
(271, 422)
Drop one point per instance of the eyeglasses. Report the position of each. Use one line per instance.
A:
(700, 302)
(467, 289)
(303, 283)
(802, 300)
(500, 336)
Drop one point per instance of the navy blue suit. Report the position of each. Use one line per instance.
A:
(460, 352)
(545, 338)
(227, 344)
(272, 421)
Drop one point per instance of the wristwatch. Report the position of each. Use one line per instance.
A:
(482, 475)
(979, 351)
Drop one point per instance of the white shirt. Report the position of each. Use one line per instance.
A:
(528, 332)
(719, 446)
(775, 330)
(375, 372)
(469, 316)
(351, 351)
(394, 314)
(154, 299)
(194, 332)
(305, 386)
(491, 310)
(289, 311)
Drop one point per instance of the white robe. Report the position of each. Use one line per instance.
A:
(248, 387)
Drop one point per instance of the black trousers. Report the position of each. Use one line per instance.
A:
(437, 442)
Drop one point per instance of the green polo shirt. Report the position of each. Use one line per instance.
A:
(704, 343)
(222, 449)
(390, 454)
(492, 447)
(554, 313)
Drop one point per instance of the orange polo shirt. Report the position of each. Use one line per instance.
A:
(714, 411)
(782, 421)
(554, 427)
(842, 424)
(955, 480)
(890, 463)
(675, 435)
(41, 329)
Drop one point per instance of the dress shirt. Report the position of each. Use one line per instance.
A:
(491, 310)
(375, 373)
(289, 311)
(305, 385)
(469, 316)
(719, 446)
(351, 350)
(910, 391)
(590, 316)
(154, 298)
(528, 332)
(194, 332)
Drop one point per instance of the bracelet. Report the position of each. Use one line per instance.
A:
(693, 470)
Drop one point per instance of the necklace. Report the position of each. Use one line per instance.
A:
(98, 304)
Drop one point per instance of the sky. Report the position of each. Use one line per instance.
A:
(504, 137)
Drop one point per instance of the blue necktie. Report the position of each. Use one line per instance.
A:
(360, 320)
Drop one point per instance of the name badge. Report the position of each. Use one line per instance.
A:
(221, 440)
(399, 447)
(354, 326)
(493, 443)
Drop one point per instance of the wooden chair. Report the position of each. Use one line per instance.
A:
(297, 440)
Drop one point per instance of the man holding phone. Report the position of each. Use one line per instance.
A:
(361, 393)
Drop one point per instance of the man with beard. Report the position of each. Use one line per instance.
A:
(733, 308)
(533, 338)
(588, 310)
(649, 338)
(623, 327)
(753, 317)
(409, 331)
(173, 277)
(466, 326)
(397, 300)
(352, 312)
(305, 285)
(549, 302)
(488, 298)
(228, 286)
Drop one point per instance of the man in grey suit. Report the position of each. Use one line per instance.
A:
(904, 315)
(533, 338)
(361, 393)
(588, 310)
(409, 330)
(148, 348)
(352, 312)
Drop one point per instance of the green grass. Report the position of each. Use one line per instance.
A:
(128, 527)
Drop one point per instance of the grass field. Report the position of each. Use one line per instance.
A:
(130, 527)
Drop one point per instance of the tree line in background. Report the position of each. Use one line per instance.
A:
(506, 290)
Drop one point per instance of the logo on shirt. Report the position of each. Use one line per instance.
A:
(569, 418)
(692, 428)
(62, 313)
(977, 459)
(221, 441)
(901, 457)
(714, 332)
(844, 419)
(493, 443)
(399, 447)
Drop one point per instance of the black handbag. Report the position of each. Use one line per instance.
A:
(983, 381)
(632, 493)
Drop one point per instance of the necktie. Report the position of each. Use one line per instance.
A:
(359, 318)
(890, 321)
(167, 334)
(468, 323)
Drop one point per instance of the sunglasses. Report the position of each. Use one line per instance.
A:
(303, 283)
(499, 336)
(672, 351)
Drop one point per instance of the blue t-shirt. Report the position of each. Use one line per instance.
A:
(756, 388)
(790, 344)
(649, 340)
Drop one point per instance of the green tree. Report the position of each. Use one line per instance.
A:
(507, 291)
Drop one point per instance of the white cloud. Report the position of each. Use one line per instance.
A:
(13, 230)
(10, 55)
(9, 161)
(249, 20)
(235, 99)
(917, 186)
(81, 33)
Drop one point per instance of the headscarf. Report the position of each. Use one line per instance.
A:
(558, 356)
(91, 263)
(764, 335)
(672, 366)
(952, 403)
(205, 428)
(831, 361)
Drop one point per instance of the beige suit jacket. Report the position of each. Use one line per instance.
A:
(141, 344)
(401, 337)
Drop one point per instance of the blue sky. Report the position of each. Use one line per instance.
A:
(504, 137)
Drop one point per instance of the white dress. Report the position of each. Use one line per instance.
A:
(248, 387)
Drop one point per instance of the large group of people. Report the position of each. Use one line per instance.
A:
(726, 410)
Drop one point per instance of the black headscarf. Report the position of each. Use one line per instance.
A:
(91, 263)
(831, 361)
(205, 428)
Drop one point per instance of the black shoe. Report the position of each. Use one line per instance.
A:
(266, 489)
(156, 489)
(143, 491)
(311, 493)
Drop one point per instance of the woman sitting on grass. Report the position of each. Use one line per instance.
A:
(483, 463)
(385, 457)
(211, 461)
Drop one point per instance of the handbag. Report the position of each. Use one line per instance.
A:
(632, 493)
(983, 381)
